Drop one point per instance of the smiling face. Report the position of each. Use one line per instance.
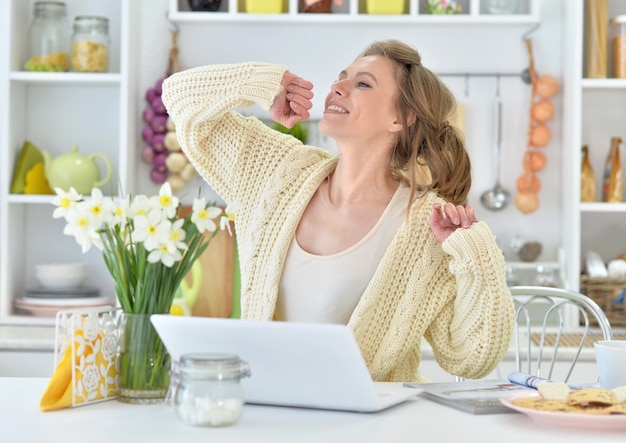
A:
(361, 103)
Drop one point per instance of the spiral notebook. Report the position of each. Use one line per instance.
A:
(307, 365)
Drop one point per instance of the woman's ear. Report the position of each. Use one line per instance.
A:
(411, 119)
(396, 126)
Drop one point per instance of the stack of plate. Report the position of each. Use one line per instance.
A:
(81, 292)
(46, 302)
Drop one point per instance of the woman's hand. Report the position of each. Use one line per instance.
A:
(446, 219)
(292, 104)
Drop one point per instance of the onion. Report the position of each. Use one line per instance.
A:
(158, 143)
(171, 142)
(188, 172)
(527, 202)
(158, 124)
(528, 182)
(158, 106)
(176, 182)
(151, 94)
(148, 114)
(158, 85)
(540, 136)
(147, 155)
(170, 124)
(175, 162)
(159, 161)
(542, 111)
(147, 135)
(159, 174)
(534, 161)
(547, 86)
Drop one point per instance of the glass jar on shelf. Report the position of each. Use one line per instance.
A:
(48, 38)
(501, 7)
(512, 278)
(205, 389)
(90, 44)
(546, 276)
(618, 42)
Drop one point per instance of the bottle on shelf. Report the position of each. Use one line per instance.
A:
(597, 37)
(612, 186)
(48, 38)
(587, 178)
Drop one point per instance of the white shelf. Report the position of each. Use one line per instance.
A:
(604, 83)
(66, 78)
(603, 207)
(30, 199)
(438, 20)
(352, 12)
(534, 264)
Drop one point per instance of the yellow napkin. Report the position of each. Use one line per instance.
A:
(93, 370)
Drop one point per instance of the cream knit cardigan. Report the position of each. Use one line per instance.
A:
(454, 294)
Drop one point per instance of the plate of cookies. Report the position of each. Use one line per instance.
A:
(555, 403)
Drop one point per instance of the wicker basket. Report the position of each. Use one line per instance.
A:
(609, 294)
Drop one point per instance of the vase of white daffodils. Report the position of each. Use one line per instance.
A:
(148, 248)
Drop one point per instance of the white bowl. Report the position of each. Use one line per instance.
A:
(61, 275)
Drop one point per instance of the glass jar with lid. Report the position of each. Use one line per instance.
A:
(48, 38)
(618, 41)
(90, 44)
(205, 389)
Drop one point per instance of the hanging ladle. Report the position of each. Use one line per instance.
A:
(498, 197)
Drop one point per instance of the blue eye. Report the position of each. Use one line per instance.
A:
(362, 85)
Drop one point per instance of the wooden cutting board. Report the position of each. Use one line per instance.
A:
(215, 297)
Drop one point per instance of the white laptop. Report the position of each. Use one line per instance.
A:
(307, 365)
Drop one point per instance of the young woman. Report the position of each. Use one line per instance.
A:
(378, 237)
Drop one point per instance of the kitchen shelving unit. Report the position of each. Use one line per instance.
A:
(593, 112)
(55, 111)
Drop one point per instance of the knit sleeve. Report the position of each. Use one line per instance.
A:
(216, 139)
(474, 330)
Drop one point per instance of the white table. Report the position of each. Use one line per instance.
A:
(413, 421)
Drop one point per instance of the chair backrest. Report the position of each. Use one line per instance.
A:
(542, 333)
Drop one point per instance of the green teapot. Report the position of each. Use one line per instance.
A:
(76, 170)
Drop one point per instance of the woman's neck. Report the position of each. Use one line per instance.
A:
(364, 180)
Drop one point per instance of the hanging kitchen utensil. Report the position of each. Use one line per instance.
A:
(498, 197)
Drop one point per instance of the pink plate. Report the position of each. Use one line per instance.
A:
(41, 307)
(568, 419)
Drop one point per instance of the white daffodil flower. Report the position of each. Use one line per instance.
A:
(99, 207)
(202, 215)
(167, 253)
(178, 234)
(151, 230)
(120, 212)
(229, 215)
(64, 201)
(81, 225)
(166, 201)
(140, 206)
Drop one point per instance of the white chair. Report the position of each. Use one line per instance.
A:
(540, 335)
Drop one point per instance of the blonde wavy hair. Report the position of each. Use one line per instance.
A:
(429, 153)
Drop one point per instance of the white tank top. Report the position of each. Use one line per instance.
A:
(326, 288)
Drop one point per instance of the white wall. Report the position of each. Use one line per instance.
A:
(319, 52)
